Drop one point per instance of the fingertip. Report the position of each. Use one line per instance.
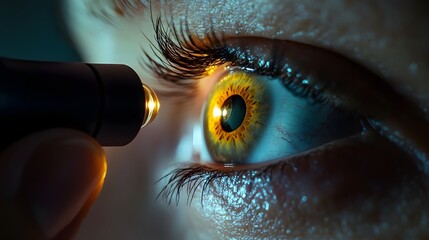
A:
(56, 172)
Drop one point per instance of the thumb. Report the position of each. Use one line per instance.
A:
(48, 180)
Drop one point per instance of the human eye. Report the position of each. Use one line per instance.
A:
(330, 104)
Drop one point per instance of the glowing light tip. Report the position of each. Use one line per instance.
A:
(151, 105)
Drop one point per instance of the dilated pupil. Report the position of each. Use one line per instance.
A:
(233, 113)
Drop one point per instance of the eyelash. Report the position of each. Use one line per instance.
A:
(193, 177)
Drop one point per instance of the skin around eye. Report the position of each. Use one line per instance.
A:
(330, 192)
(268, 121)
(324, 191)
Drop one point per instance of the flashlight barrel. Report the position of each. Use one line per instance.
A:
(106, 101)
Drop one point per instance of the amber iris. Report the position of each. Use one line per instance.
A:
(234, 117)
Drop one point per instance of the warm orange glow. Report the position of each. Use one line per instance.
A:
(210, 69)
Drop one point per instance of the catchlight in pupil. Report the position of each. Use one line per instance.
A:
(233, 113)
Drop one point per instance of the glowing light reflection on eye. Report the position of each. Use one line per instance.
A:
(217, 112)
(224, 113)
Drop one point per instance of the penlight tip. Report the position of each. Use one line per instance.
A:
(151, 105)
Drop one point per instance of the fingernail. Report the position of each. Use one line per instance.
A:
(58, 180)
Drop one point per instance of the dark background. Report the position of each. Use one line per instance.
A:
(34, 30)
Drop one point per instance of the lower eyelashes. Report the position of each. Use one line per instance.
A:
(342, 162)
